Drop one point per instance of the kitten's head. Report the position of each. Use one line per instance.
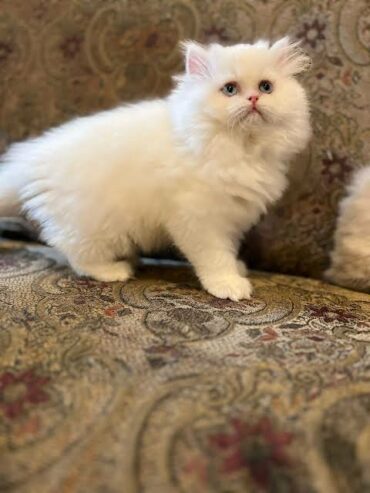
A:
(245, 86)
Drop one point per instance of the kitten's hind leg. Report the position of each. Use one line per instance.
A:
(103, 260)
(121, 270)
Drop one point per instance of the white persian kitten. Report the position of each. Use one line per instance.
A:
(350, 258)
(196, 169)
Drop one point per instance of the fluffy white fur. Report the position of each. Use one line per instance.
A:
(350, 258)
(197, 168)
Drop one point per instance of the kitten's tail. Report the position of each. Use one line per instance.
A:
(11, 181)
(9, 198)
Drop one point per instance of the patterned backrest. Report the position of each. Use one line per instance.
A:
(60, 58)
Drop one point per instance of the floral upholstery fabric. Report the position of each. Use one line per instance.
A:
(157, 387)
(62, 58)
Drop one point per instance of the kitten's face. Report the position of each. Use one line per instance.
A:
(247, 86)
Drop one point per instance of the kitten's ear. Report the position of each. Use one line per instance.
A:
(290, 57)
(196, 59)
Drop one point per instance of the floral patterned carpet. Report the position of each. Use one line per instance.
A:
(155, 386)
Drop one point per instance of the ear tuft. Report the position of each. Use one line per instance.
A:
(290, 56)
(196, 59)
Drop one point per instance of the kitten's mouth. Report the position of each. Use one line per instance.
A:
(254, 111)
(253, 116)
(249, 116)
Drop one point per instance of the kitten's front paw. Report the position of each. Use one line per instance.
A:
(242, 268)
(230, 287)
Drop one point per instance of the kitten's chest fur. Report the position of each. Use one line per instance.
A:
(246, 170)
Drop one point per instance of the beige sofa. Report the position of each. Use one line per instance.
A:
(156, 386)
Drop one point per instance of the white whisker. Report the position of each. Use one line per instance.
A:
(237, 116)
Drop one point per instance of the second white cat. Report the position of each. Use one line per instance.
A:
(350, 258)
(196, 169)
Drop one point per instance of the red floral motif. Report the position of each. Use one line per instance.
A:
(312, 33)
(19, 390)
(160, 37)
(335, 167)
(331, 314)
(116, 310)
(257, 448)
(71, 46)
(269, 334)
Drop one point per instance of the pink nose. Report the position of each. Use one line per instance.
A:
(253, 99)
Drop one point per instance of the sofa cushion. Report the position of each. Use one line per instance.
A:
(156, 386)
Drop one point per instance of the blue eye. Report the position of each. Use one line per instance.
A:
(230, 89)
(265, 86)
